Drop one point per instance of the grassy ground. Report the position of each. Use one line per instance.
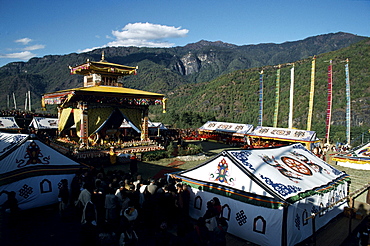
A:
(150, 168)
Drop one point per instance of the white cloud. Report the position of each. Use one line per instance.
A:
(148, 31)
(35, 47)
(140, 43)
(90, 49)
(23, 41)
(143, 35)
(24, 55)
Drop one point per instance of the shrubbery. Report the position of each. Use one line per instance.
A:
(154, 155)
(172, 151)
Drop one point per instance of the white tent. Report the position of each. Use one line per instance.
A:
(284, 134)
(267, 195)
(33, 170)
(157, 125)
(8, 123)
(234, 128)
(358, 158)
(43, 123)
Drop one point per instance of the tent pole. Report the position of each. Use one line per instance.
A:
(314, 230)
(29, 101)
(284, 228)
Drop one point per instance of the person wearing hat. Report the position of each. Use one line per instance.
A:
(131, 213)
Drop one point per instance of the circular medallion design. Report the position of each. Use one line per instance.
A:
(296, 165)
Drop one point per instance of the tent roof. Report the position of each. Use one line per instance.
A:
(226, 127)
(358, 155)
(8, 123)
(22, 157)
(44, 123)
(284, 134)
(159, 125)
(270, 177)
(362, 151)
(9, 141)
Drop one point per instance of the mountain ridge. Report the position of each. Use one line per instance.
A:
(168, 70)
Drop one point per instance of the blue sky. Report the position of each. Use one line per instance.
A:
(35, 28)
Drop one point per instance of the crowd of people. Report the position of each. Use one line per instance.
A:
(24, 114)
(120, 208)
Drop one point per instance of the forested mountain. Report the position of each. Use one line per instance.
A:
(234, 97)
(213, 80)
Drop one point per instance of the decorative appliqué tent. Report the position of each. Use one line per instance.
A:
(43, 123)
(8, 123)
(267, 195)
(32, 170)
(235, 128)
(285, 134)
(358, 158)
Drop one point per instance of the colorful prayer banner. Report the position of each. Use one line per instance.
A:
(348, 109)
(290, 123)
(312, 92)
(277, 98)
(261, 100)
(330, 98)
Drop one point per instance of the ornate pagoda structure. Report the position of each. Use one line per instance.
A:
(103, 102)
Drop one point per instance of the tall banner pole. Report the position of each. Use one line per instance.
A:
(29, 101)
(312, 92)
(25, 102)
(277, 98)
(348, 110)
(15, 102)
(261, 100)
(330, 98)
(290, 122)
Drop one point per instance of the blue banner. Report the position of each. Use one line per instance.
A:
(348, 109)
(261, 100)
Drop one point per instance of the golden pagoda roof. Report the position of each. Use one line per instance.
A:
(107, 90)
(102, 67)
(103, 94)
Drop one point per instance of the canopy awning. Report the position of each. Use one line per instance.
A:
(234, 128)
(284, 134)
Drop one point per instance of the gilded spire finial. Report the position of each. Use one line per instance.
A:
(102, 57)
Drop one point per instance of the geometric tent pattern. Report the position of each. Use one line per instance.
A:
(33, 170)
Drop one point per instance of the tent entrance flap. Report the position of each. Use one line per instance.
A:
(66, 119)
(113, 121)
(98, 118)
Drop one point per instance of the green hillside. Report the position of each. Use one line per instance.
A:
(234, 97)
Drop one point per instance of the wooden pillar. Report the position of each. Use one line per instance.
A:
(84, 124)
(144, 131)
(59, 113)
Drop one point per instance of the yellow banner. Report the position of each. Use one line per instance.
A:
(312, 91)
(277, 97)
